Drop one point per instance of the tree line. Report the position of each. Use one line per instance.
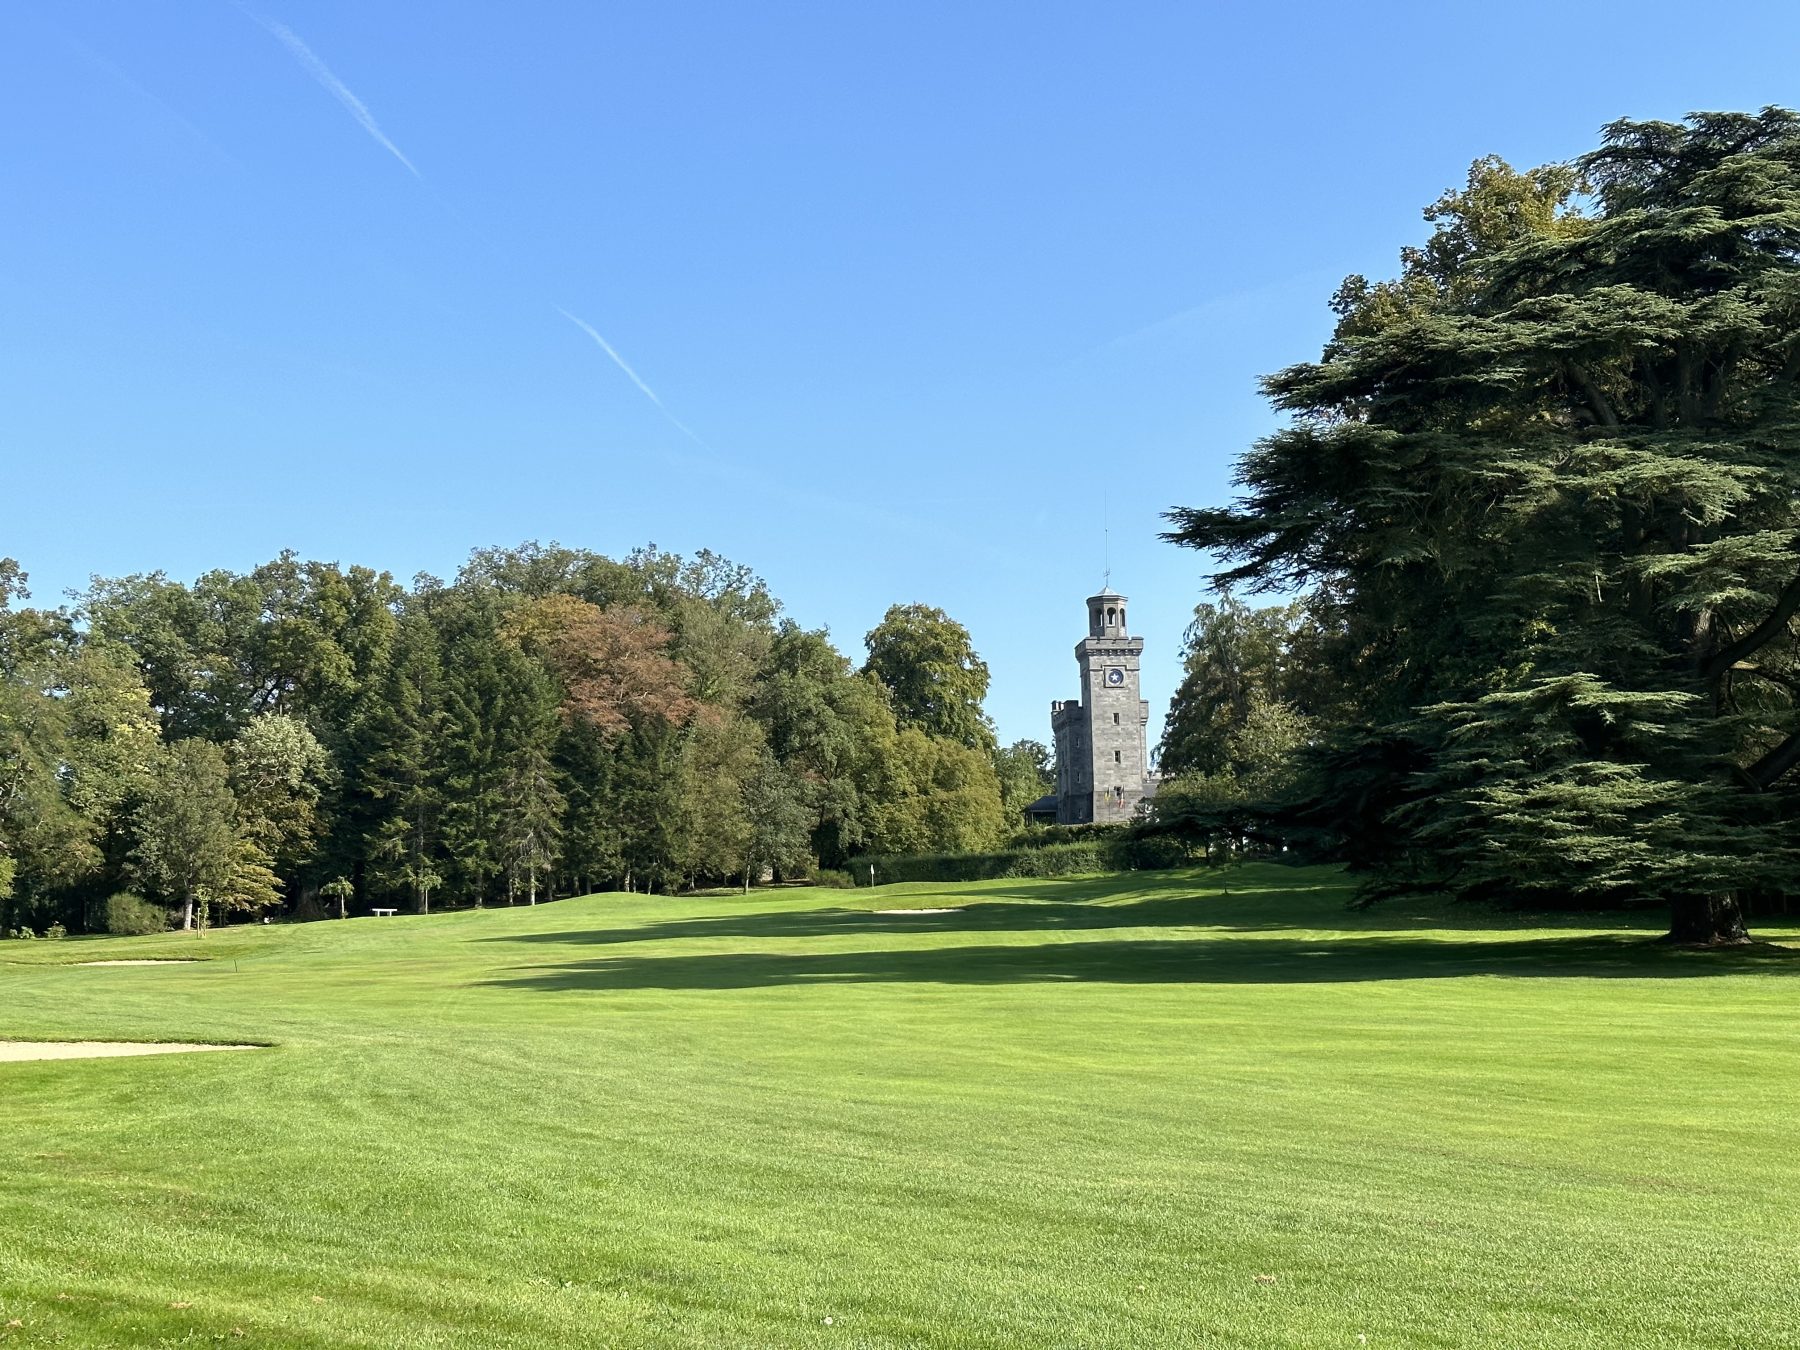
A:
(317, 737)
(1533, 519)
(1539, 503)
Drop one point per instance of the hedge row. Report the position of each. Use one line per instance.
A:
(1046, 836)
(1111, 853)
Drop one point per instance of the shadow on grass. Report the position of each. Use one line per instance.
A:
(1195, 961)
(1078, 904)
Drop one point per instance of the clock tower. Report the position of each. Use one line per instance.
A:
(1102, 769)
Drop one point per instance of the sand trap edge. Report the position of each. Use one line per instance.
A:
(21, 1051)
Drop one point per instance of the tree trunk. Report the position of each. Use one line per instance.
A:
(187, 915)
(1781, 760)
(531, 885)
(1707, 921)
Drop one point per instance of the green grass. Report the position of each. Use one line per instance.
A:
(1080, 1112)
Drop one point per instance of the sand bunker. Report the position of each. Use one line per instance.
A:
(14, 1050)
(917, 911)
(147, 961)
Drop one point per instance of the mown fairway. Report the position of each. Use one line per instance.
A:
(1088, 1112)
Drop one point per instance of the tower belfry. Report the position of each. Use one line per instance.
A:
(1102, 767)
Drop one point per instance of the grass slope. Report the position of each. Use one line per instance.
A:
(1079, 1112)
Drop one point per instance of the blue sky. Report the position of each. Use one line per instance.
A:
(916, 296)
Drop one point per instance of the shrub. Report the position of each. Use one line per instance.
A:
(20, 934)
(832, 879)
(131, 915)
(56, 930)
(1152, 852)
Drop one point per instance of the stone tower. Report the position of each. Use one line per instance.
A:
(1102, 770)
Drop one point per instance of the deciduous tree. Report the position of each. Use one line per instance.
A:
(279, 772)
(928, 664)
(1026, 773)
(187, 842)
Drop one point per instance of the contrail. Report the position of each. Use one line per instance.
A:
(338, 89)
(313, 66)
(636, 379)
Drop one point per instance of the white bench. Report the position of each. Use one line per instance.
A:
(383, 913)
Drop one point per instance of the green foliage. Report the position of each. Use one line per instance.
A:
(289, 636)
(42, 834)
(832, 728)
(1249, 707)
(1497, 208)
(1026, 772)
(934, 794)
(129, 915)
(110, 740)
(1520, 804)
(927, 663)
(279, 772)
(340, 891)
(12, 582)
(1118, 851)
(719, 759)
(187, 848)
(780, 821)
(532, 804)
(1034, 835)
(250, 884)
(1237, 665)
(1544, 484)
(393, 815)
(552, 720)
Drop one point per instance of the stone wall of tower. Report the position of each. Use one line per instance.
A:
(1116, 718)
(1074, 779)
(1102, 763)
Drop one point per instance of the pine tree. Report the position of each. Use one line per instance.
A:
(532, 804)
(399, 782)
(473, 768)
(1549, 479)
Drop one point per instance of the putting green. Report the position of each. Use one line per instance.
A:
(1167, 1109)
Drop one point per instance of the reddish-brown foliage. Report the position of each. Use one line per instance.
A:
(613, 663)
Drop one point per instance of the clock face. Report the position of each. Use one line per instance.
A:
(1115, 677)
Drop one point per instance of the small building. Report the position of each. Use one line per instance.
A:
(1102, 763)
